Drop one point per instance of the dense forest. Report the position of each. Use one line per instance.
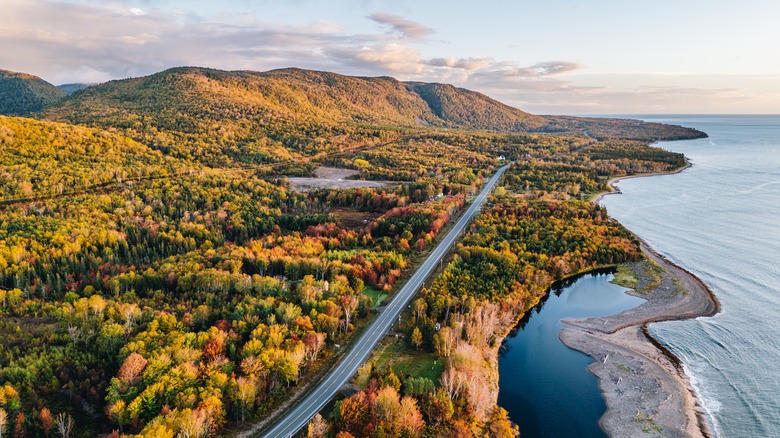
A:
(22, 94)
(159, 276)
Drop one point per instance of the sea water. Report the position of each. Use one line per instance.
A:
(545, 386)
(720, 219)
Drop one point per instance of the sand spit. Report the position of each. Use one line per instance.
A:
(644, 385)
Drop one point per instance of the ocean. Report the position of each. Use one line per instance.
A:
(720, 219)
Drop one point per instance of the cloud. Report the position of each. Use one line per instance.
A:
(60, 41)
(470, 64)
(542, 69)
(391, 57)
(401, 25)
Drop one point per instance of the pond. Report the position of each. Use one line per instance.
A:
(544, 385)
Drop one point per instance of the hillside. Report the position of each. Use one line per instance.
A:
(22, 94)
(471, 110)
(245, 118)
(42, 159)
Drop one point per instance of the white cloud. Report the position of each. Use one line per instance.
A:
(406, 28)
(470, 64)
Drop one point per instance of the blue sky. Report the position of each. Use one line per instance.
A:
(556, 56)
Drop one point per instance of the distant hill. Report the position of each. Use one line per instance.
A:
(22, 94)
(218, 117)
(72, 88)
(628, 129)
(471, 110)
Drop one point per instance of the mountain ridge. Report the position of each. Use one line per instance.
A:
(264, 117)
(22, 94)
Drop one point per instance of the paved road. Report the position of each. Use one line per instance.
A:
(299, 416)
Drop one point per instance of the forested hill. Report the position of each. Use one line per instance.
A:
(22, 94)
(221, 117)
(471, 110)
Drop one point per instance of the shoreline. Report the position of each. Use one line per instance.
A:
(643, 383)
(615, 190)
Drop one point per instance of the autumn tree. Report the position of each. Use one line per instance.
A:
(317, 428)
(195, 424)
(411, 420)
(20, 426)
(452, 382)
(388, 406)
(313, 343)
(246, 391)
(417, 338)
(131, 368)
(499, 425)
(354, 415)
(47, 421)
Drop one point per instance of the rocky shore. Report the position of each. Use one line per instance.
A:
(644, 385)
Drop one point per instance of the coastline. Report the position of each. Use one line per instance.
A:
(643, 383)
(615, 190)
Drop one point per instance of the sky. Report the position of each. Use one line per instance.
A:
(543, 56)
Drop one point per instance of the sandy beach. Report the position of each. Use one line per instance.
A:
(644, 385)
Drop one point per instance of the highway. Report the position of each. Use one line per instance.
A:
(298, 417)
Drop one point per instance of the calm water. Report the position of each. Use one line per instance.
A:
(544, 385)
(721, 220)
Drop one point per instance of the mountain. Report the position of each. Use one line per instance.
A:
(468, 109)
(219, 117)
(22, 94)
(72, 88)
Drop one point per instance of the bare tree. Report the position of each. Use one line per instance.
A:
(419, 306)
(452, 382)
(349, 304)
(65, 425)
(444, 341)
(3, 420)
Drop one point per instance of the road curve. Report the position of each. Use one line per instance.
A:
(296, 418)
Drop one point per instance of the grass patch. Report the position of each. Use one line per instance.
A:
(647, 422)
(352, 219)
(624, 276)
(376, 295)
(407, 362)
(642, 277)
(650, 275)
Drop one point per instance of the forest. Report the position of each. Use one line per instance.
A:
(159, 276)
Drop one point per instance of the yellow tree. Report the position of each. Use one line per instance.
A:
(417, 337)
